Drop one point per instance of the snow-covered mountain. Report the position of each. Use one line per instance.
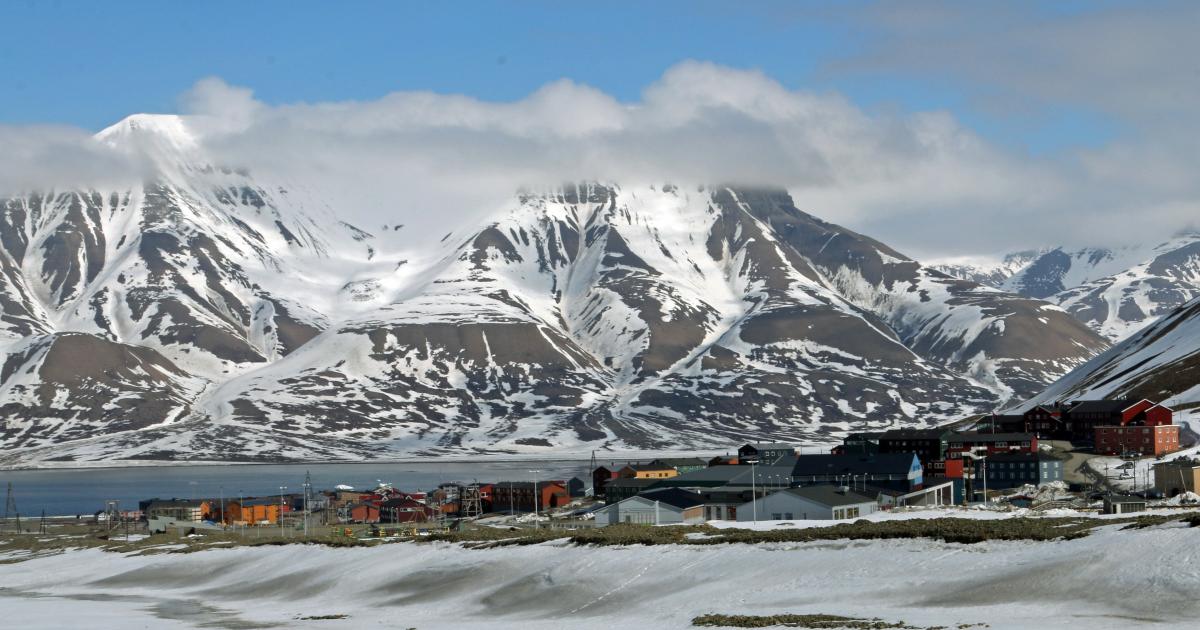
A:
(208, 313)
(1160, 362)
(1115, 291)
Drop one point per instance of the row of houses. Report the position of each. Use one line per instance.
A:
(255, 511)
(1123, 427)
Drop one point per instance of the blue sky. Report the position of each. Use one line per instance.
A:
(89, 64)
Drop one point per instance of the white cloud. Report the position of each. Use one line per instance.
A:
(922, 182)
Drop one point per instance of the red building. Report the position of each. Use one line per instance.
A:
(600, 478)
(364, 513)
(1137, 441)
(990, 444)
(1083, 417)
(519, 495)
(405, 510)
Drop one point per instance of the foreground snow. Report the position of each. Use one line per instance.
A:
(1095, 582)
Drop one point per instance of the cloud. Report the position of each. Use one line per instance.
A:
(39, 158)
(922, 181)
(700, 123)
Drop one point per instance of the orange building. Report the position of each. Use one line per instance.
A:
(1137, 441)
(259, 511)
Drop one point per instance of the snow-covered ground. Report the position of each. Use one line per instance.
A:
(1101, 581)
(1137, 474)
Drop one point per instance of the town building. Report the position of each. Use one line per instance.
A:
(1012, 470)
(1137, 440)
(260, 511)
(822, 503)
(178, 509)
(682, 465)
(990, 444)
(600, 478)
(652, 470)
(519, 495)
(935, 492)
(898, 471)
(656, 507)
(929, 445)
(576, 487)
(1177, 476)
(404, 510)
(723, 460)
(736, 478)
(364, 513)
(1085, 416)
(859, 444)
(1115, 504)
(766, 453)
(621, 489)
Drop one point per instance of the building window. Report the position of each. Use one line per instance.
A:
(787, 516)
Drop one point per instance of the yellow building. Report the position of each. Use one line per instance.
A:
(1176, 477)
(647, 471)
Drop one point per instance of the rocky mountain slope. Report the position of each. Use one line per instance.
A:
(1114, 291)
(206, 313)
(1159, 362)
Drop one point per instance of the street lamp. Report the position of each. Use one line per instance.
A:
(536, 525)
(281, 489)
(753, 489)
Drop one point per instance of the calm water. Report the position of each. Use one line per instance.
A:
(69, 492)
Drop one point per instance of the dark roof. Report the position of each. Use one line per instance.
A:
(990, 437)
(675, 462)
(402, 502)
(1119, 498)
(914, 434)
(771, 446)
(676, 497)
(864, 435)
(176, 503)
(630, 482)
(527, 485)
(853, 464)
(1104, 406)
(828, 494)
(654, 465)
(261, 501)
(731, 475)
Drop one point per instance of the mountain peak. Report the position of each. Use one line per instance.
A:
(164, 131)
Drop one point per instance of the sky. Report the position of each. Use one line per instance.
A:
(946, 129)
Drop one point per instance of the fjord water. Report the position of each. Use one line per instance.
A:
(83, 491)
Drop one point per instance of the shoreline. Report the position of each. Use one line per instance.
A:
(433, 459)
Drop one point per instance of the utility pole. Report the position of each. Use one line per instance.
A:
(307, 490)
(10, 509)
(281, 504)
(222, 507)
(753, 489)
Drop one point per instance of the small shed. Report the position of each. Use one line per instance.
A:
(1115, 504)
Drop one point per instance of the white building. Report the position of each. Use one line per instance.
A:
(818, 503)
(657, 507)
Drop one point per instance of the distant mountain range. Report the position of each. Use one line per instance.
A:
(1114, 291)
(206, 313)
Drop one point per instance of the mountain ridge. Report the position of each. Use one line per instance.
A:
(575, 318)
